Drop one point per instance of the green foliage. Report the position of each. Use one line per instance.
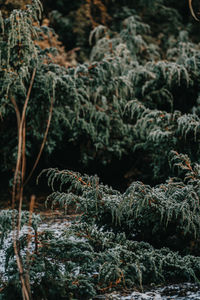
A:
(165, 215)
(19, 56)
(94, 111)
(9, 217)
(136, 97)
(145, 235)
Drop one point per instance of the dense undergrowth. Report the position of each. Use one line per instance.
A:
(138, 91)
(141, 237)
(134, 100)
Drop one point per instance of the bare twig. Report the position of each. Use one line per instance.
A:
(27, 280)
(43, 142)
(20, 123)
(18, 180)
(16, 111)
(21, 157)
(26, 293)
(192, 11)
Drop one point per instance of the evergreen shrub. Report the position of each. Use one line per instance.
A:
(136, 97)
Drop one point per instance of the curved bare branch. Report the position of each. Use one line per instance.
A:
(192, 11)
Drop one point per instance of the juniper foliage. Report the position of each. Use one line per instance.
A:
(137, 96)
(145, 235)
(97, 109)
(169, 210)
